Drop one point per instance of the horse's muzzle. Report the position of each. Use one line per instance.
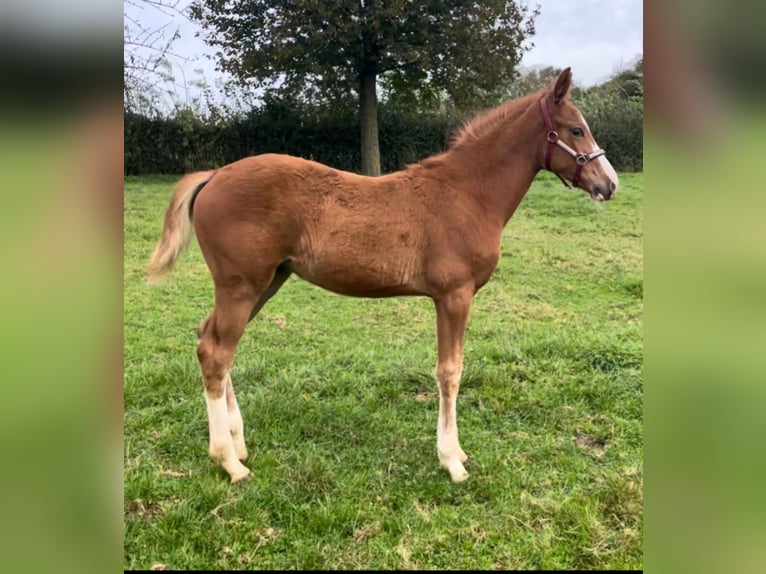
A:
(604, 192)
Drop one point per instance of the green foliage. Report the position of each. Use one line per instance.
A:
(628, 83)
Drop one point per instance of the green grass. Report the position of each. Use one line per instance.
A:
(340, 406)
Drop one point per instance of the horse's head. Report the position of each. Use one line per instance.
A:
(570, 150)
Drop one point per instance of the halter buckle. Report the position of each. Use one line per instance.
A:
(582, 159)
(553, 136)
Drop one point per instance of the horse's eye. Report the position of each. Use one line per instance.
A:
(577, 132)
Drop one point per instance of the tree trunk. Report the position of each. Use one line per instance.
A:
(368, 123)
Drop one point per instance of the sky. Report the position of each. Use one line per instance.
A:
(595, 37)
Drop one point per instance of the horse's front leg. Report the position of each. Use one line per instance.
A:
(451, 318)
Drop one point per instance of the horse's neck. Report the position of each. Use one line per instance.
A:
(498, 176)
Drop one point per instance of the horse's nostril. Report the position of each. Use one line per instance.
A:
(612, 186)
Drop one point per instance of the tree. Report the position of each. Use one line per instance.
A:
(629, 83)
(330, 50)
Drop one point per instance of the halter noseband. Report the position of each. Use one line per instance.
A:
(554, 140)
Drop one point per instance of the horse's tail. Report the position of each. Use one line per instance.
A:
(178, 228)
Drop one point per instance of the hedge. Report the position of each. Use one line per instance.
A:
(186, 143)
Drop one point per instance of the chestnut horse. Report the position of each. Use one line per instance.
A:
(432, 229)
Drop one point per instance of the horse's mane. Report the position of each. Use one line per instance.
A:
(482, 124)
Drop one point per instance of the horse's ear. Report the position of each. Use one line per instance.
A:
(563, 86)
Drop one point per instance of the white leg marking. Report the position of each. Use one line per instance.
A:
(236, 425)
(451, 456)
(221, 445)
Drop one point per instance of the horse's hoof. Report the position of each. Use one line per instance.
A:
(241, 477)
(459, 475)
(456, 470)
(237, 471)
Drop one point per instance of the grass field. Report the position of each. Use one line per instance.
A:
(340, 406)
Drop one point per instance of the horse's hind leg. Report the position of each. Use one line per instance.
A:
(236, 425)
(281, 274)
(218, 341)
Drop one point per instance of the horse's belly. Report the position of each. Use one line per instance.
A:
(369, 278)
